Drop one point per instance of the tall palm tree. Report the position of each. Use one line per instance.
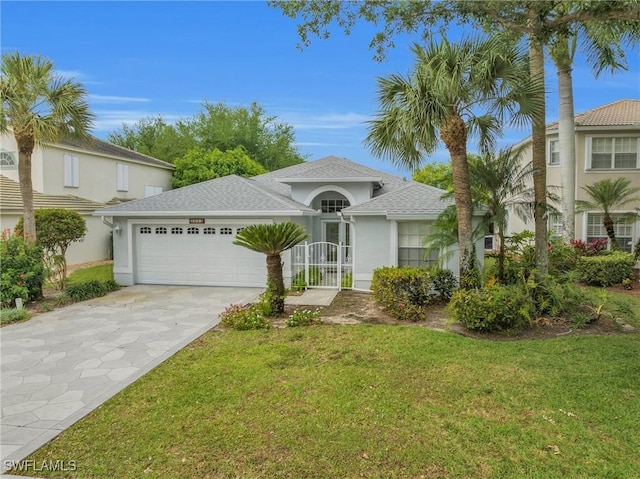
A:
(272, 240)
(602, 42)
(607, 196)
(38, 107)
(440, 99)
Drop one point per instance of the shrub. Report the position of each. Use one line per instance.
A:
(347, 281)
(304, 317)
(243, 318)
(592, 248)
(315, 278)
(555, 297)
(403, 292)
(88, 290)
(23, 271)
(444, 283)
(605, 270)
(562, 257)
(12, 315)
(492, 309)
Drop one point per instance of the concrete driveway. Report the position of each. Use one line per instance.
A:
(61, 365)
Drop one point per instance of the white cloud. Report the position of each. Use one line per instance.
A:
(307, 120)
(107, 120)
(116, 99)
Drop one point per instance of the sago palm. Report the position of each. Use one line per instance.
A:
(441, 100)
(272, 240)
(38, 107)
(607, 196)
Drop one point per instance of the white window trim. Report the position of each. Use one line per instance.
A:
(122, 177)
(152, 190)
(549, 152)
(71, 171)
(14, 156)
(589, 141)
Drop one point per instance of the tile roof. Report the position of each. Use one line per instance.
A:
(227, 195)
(413, 199)
(99, 146)
(618, 113)
(11, 200)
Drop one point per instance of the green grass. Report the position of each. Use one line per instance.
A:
(370, 401)
(101, 273)
(8, 316)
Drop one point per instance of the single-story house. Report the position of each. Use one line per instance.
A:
(358, 219)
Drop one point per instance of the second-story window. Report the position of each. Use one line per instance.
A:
(122, 177)
(554, 152)
(614, 153)
(71, 171)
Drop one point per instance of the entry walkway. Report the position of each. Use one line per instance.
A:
(59, 366)
(313, 297)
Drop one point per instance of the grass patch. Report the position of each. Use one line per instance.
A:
(369, 401)
(103, 272)
(617, 304)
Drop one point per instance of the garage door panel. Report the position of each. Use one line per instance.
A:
(195, 259)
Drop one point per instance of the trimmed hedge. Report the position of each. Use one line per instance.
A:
(605, 270)
(404, 292)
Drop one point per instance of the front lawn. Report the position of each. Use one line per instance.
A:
(102, 272)
(370, 401)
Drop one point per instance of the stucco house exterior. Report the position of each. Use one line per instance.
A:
(358, 219)
(607, 146)
(74, 175)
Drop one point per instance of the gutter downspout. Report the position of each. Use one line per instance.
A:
(110, 225)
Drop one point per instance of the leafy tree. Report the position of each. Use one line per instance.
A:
(38, 107)
(272, 240)
(439, 175)
(217, 126)
(536, 22)
(153, 136)
(202, 165)
(609, 195)
(57, 229)
(440, 100)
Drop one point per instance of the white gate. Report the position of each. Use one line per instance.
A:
(322, 265)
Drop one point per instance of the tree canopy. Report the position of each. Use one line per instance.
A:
(439, 175)
(202, 165)
(265, 139)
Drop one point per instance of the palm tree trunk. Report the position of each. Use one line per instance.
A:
(566, 132)
(538, 139)
(501, 254)
(607, 221)
(454, 136)
(25, 150)
(275, 283)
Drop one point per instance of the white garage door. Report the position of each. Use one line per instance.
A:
(196, 255)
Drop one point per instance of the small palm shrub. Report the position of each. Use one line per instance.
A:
(243, 318)
(304, 317)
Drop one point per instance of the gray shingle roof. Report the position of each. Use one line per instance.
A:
(106, 148)
(328, 167)
(413, 199)
(11, 200)
(227, 195)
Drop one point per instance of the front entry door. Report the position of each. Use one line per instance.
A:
(336, 232)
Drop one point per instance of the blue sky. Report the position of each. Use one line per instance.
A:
(146, 58)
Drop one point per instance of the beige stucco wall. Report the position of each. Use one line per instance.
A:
(8, 143)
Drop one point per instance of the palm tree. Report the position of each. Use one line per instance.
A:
(272, 240)
(602, 43)
(38, 107)
(606, 196)
(450, 83)
(501, 182)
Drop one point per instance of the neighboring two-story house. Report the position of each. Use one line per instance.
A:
(607, 146)
(82, 176)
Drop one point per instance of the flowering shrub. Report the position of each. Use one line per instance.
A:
(304, 317)
(23, 271)
(243, 318)
(591, 248)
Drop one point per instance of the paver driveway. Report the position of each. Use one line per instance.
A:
(61, 365)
